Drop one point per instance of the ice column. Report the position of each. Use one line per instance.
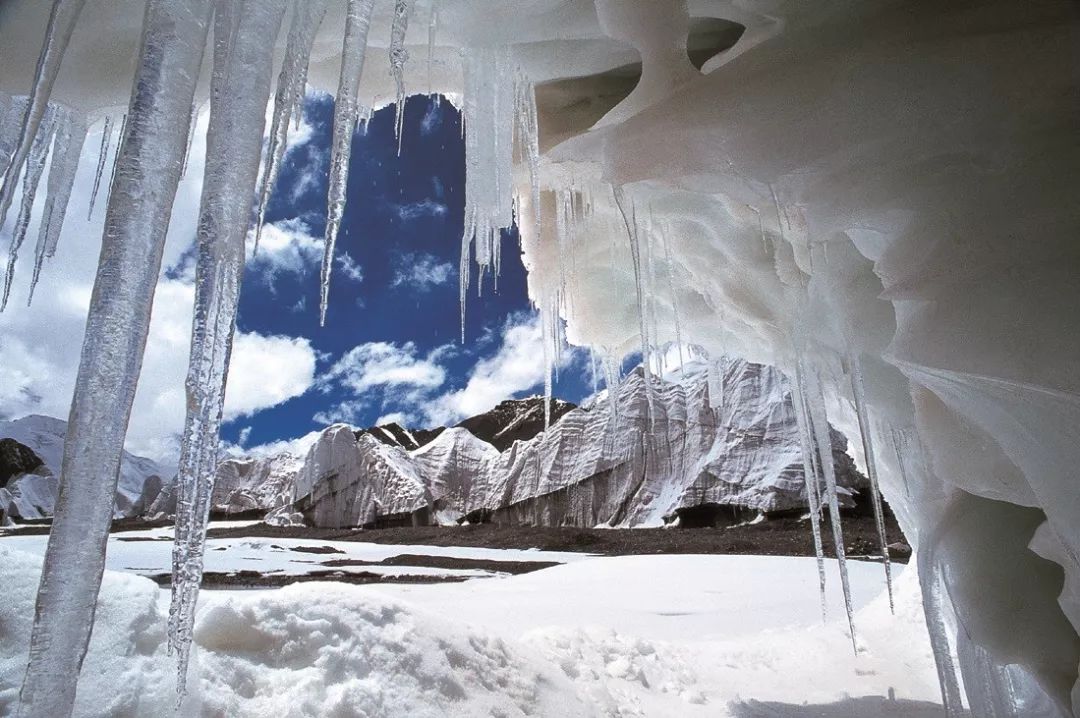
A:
(346, 111)
(35, 165)
(136, 221)
(67, 146)
(62, 19)
(398, 57)
(306, 18)
(244, 33)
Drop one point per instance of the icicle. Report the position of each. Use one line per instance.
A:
(244, 34)
(529, 138)
(9, 129)
(433, 27)
(930, 580)
(190, 136)
(70, 135)
(354, 47)
(62, 19)
(106, 138)
(488, 112)
(810, 388)
(398, 57)
(673, 293)
(635, 253)
(859, 393)
(116, 155)
(306, 18)
(136, 222)
(35, 164)
(812, 481)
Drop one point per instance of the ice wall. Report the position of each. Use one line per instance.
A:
(889, 185)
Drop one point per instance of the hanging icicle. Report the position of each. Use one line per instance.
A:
(103, 154)
(398, 57)
(174, 32)
(433, 27)
(630, 221)
(62, 19)
(306, 18)
(859, 393)
(35, 165)
(346, 108)
(814, 398)
(67, 147)
(812, 481)
(244, 32)
(116, 154)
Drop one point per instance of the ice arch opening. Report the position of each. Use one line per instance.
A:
(882, 190)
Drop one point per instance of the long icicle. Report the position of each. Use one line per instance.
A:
(62, 19)
(819, 424)
(103, 154)
(35, 165)
(244, 33)
(858, 391)
(190, 136)
(812, 481)
(116, 156)
(306, 18)
(67, 147)
(346, 110)
(398, 57)
(136, 221)
(630, 221)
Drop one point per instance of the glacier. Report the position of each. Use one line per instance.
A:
(876, 188)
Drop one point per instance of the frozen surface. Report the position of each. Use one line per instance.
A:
(669, 644)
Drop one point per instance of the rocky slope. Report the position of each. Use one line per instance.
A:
(711, 443)
(31, 451)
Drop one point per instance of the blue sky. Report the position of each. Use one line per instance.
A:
(391, 345)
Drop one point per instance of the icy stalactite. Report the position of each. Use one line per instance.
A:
(136, 222)
(528, 138)
(306, 18)
(346, 106)
(488, 119)
(398, 57)
(9, 128)
(116, 156)
(67, 147)
(240, 90)
(934, 606)
(859, 393)
(812, 480)
(630, 221)
(190, 136)
(62, 19)
(811, 390)
(103, 154)
(433, 28)
(35, 165)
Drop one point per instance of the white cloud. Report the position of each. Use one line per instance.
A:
(349, 267)
(397, 417)
(421, 272)
(296, 447)
(285, 246)
(415, 210)
(514, 368)
(266, 371)
(383, 364)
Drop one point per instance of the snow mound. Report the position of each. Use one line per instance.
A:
(321, 649)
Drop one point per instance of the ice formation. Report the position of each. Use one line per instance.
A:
(242, 74)
(892, 182)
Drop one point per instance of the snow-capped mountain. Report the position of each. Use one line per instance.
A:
(721, 435)
(31, 494)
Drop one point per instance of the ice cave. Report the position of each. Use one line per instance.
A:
(862, 213)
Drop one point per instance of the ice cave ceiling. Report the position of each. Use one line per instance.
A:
(874, 193)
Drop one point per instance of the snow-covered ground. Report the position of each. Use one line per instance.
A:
(643, 636)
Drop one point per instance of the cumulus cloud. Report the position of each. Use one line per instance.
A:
(376, 364)
(415, 210)
(285, 246)
(421, 272)
(349, 267)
